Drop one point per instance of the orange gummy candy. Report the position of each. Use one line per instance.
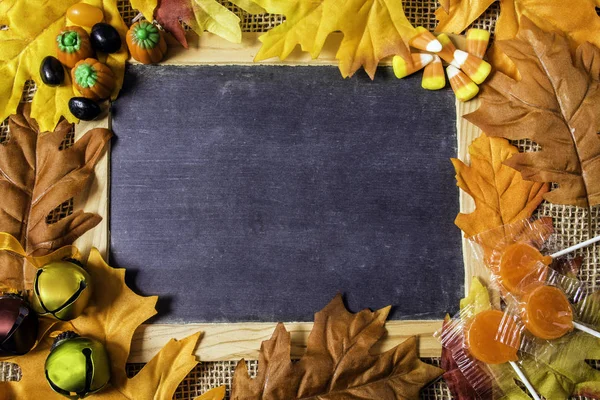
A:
(481, 341)
(519, 264)
(83, 14)
(547, 313)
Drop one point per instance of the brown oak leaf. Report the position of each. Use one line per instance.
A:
(557, 105)
(36, 176)
(501, 195)
(337, 364)
(577, 18)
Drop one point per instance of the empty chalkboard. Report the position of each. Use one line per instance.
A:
(258, 193)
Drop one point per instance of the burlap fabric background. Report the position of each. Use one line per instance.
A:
(571, 223)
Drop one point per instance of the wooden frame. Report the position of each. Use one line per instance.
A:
(232, 341)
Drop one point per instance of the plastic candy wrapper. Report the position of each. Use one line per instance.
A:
(470, 339)
(539, 299)
(546, 307)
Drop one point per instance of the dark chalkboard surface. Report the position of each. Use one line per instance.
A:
(258, 193)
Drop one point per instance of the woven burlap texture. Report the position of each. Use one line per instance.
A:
(572, 224)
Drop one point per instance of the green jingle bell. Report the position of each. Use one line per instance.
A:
(77, 366)
(62, 289)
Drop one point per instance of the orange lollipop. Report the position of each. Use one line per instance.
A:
(519, 264)
(480, 336)
(547, 313)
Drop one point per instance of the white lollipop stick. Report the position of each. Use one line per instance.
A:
(577, 325)
(525, 381)
(137, 18)
(585, 329)
(576, 247)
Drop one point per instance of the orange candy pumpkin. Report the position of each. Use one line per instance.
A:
(93, 79)
(146, 42)
(72, 45)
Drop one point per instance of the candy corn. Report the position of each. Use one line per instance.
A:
(464, 88)
(477, 41)
(424, 40)
(474, 67)
(448, 49)
(403, 68)
(433, 75)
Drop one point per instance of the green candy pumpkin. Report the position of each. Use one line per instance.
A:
(146, 42)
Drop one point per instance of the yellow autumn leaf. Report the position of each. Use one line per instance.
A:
(373, 30)
(501, 195)
(32, 27)
(161, 376)
(201, 15)
(459, 14)
(478, 299)
(115, 312)
(146, 7)
(217, 393)
(577, 18)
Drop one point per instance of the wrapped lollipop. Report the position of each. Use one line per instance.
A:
(543, 296)
(537, 296)
(521, 263)
(471, 337)
(545, 311)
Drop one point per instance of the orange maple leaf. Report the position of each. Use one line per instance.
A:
(501, 195)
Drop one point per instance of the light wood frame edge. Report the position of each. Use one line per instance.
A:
(233, 341)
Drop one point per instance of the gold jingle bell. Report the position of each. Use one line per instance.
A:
(62, 289)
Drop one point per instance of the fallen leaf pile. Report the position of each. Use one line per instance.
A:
(32, 27)
(501, 195)
(35, 178)
(337, 364)
(199, 15)
(559, 374)
(113, 316)
(577, 18)
(557, 105)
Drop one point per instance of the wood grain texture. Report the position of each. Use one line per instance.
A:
(466, 133)
(95, 197)
(234, 341)
(210, 49)
(222, 342)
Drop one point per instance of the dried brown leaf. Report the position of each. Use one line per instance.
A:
(338, 364)
(557, 105)
(35, 178)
